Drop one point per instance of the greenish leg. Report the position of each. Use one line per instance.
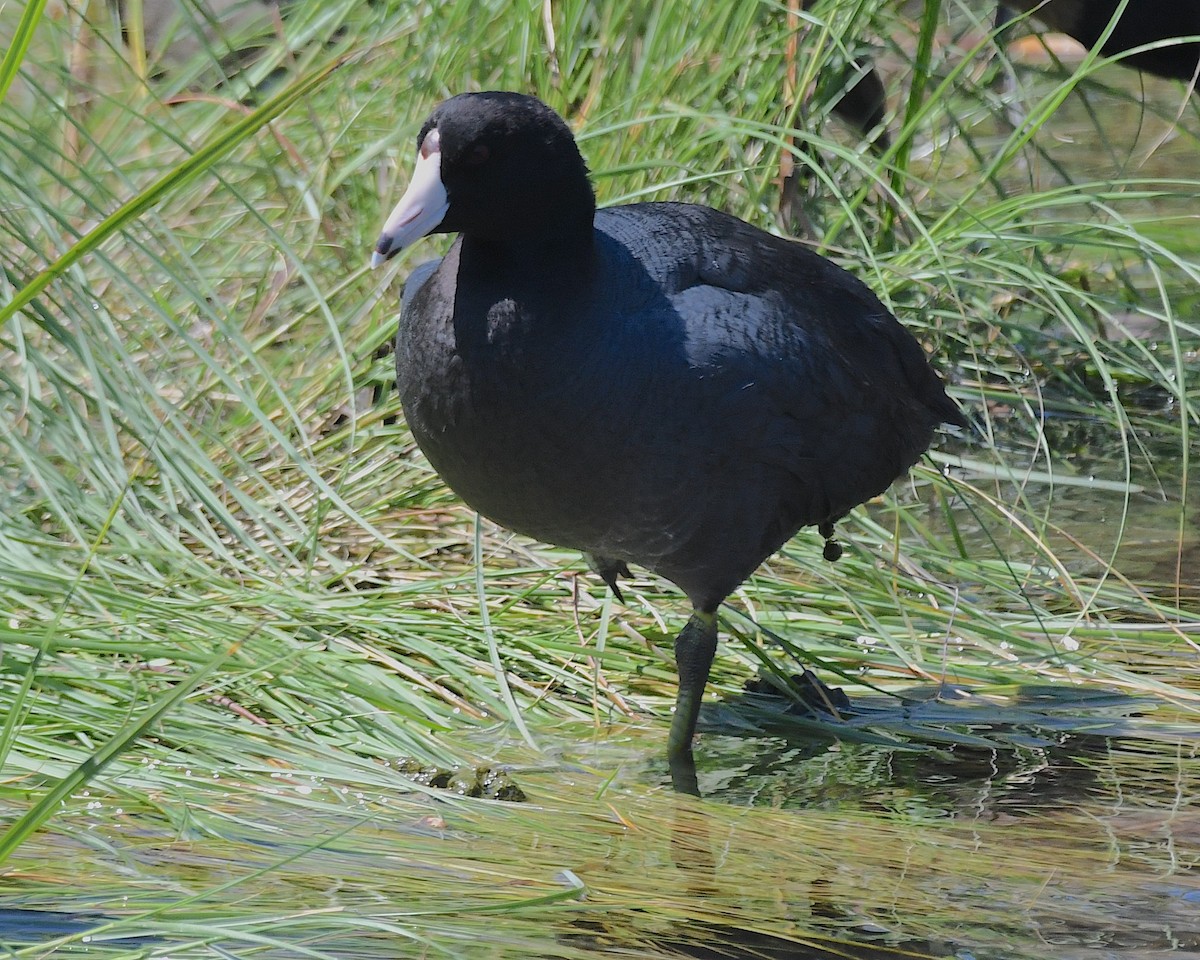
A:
(694, 650)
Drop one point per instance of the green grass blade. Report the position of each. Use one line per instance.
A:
(10, 66)
(174, 179)
(93, 766)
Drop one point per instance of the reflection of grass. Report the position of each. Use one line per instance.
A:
(609, 867)
(191, 463)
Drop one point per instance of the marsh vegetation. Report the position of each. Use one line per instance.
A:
(236, 605)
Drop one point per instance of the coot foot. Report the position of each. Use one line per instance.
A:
(833, 549)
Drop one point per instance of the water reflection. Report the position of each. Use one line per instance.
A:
(34, 926)
(980, 753)
(1129, 805)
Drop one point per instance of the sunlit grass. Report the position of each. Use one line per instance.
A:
(197, 486)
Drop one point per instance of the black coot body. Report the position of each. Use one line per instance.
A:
(660, 383)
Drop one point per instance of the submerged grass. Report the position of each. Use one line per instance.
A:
(370, 874)
(224, 567)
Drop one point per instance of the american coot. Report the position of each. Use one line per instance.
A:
(659, 383)
(860, 100)
(1141, 22)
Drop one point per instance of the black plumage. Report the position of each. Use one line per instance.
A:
(658, 384)
(1141, 22)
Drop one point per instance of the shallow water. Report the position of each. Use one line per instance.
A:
(1107, 506)
(1082, 847)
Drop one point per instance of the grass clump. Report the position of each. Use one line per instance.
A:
(226, 573)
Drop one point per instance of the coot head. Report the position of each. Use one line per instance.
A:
(495, 166)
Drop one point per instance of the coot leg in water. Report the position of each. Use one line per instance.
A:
(659, 383)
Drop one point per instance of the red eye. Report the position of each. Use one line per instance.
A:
(477, 155)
